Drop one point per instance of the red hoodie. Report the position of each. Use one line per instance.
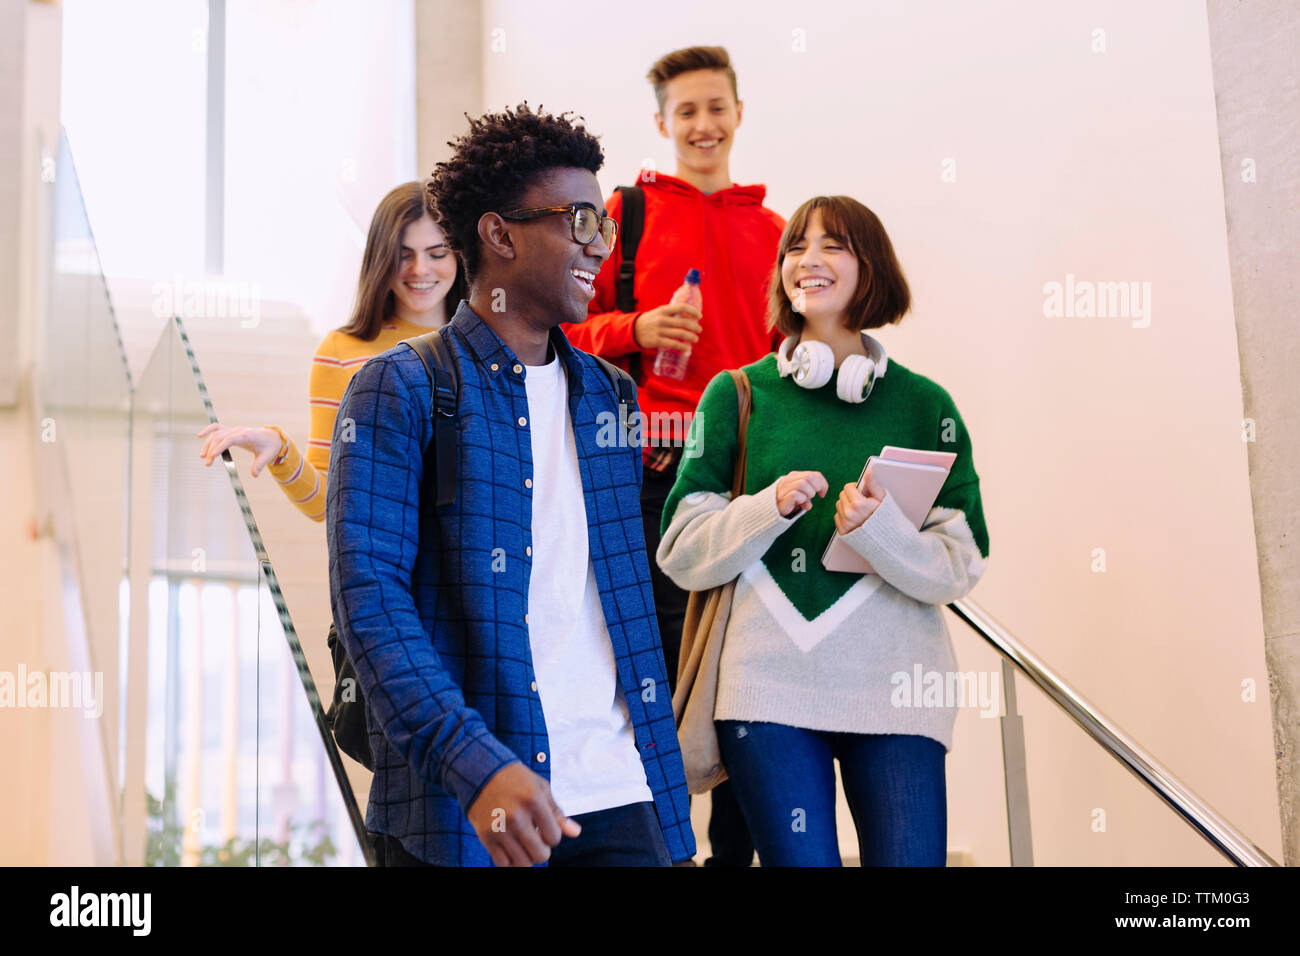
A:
(732, 239)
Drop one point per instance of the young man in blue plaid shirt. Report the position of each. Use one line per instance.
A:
(518, 702)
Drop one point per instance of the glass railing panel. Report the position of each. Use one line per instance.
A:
(303, 819)
(82, 393)
(239, 768)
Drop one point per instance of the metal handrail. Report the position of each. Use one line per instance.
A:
(1203, 818)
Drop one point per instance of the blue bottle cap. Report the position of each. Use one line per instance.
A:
(693, 276)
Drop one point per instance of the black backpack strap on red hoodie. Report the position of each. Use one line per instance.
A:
(629, 238)
(629, 235)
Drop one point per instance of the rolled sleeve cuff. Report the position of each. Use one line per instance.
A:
(467, 770)
(622, 334)
(759, 515)
(883, 536)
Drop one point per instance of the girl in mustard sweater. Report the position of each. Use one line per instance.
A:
(409, 276)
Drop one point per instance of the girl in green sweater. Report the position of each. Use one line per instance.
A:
(821, 665)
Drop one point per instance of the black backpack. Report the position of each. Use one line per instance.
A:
(346, 715)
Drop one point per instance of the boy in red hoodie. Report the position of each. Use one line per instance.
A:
(694, 219)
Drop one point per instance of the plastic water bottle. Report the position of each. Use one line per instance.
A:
(671, 363)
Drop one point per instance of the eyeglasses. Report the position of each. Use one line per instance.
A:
(584, 221)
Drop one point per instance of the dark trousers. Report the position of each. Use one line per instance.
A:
(621, 836)
(390, 852)
(728, 835)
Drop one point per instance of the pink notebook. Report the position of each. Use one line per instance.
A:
(913, 479)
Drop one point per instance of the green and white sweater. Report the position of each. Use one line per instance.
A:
(804, 646)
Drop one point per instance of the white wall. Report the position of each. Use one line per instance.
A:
(320, 124)
(133, 86)
(1088, 432)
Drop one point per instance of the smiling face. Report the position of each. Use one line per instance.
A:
(700, 116)
(552, 276)
(426, 269)
(820, 274)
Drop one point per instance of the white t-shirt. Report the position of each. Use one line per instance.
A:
(594, 760)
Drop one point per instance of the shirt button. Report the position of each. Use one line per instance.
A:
(528, 551)
(541, 758)
(528, 482)
(518, 368)
(495, 366)
(522, 421)
(533, 686)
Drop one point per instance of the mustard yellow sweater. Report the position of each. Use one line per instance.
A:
(336, 361)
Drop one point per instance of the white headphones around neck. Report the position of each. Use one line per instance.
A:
(811, 364)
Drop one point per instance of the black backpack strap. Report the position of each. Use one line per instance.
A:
(629, 239)
(445, 387)
(629, 236)
(347, 717)
(625, 388)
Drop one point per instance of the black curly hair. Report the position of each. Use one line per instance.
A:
(495, 162)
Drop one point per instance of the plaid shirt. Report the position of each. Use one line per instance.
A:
(438, 630)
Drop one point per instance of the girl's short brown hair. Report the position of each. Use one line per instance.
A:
(882, 296)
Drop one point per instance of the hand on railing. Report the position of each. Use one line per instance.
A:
(265, 443)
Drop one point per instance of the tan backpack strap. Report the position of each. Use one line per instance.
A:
(743, 402)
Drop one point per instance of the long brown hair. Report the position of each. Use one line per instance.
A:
(882, 296)
(382, 259)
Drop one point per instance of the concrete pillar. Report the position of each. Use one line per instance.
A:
(13, 31)
(1253, 55)
(42, 799)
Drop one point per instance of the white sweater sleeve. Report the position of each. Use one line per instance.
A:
(936, 565)
(711, 538)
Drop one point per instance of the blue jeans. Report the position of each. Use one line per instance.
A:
(784, 779)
